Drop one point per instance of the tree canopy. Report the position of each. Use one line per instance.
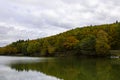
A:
(98, 39)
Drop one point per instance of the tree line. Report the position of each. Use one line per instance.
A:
(95, 40)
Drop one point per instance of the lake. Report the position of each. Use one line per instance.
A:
(29, 68)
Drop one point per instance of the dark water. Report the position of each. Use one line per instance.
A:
(21, 68)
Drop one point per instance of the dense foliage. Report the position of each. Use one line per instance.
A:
(95, 40)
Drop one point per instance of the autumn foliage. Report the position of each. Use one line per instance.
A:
(88, 40)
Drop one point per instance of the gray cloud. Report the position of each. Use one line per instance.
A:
(23, 19)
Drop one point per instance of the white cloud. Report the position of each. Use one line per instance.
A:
(22, 19)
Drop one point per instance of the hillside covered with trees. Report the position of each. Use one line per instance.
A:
(98, 40)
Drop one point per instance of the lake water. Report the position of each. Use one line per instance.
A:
(29, 68)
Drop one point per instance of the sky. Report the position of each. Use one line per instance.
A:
(31, 19)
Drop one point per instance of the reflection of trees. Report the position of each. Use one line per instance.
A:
(75, 69)
(115, 72)
(103, 68)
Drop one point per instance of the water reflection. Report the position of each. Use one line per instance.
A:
(7, 73)
(75, 69)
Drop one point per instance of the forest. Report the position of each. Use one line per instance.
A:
(97, 40)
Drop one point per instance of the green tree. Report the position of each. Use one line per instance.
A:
(33, 48)
(44, 49)
(9, 50)
(24, 48)
(88, 43)
(102, 43)
(118, 36)
(59, 43)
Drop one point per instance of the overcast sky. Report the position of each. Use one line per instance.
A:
(31, 19)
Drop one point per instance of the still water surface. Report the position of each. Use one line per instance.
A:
(28, 68)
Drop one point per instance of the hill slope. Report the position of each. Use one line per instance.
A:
(90, 40)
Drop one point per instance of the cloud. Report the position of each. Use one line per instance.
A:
(23, 19)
